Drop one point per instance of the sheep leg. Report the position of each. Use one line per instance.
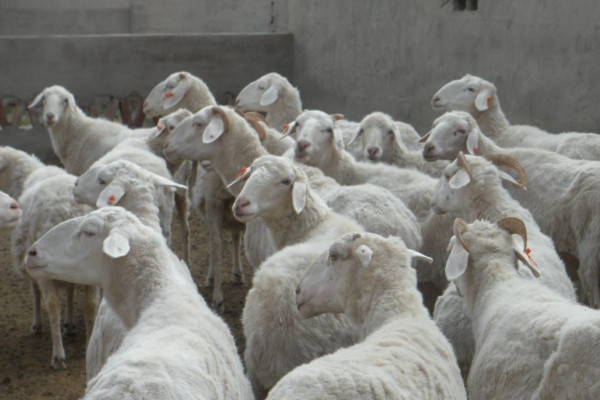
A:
(69, 325)
(215, 224)
(588, 277)
(92, 298)
(51, 302)
(36, 326)
(181, 203)
(237, 275)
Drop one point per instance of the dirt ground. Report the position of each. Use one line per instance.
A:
(25, 372)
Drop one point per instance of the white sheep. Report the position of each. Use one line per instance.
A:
(389, 141)
(277, 340)
(471, 188)
(77, 140)
(156, 301)
(46, 200)
(271, 139)
(178, 90)
(373, 207)
(10, 212)
(402, 353)
(531, 342)
(479, 98)
(562, 191)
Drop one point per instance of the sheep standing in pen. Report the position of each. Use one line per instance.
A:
(274, 95)
(402, 354)
(145, 284)
(184, 90)
(237, 146)
(127, 185)
(471, 188)
(44, 195)
(277, 339)
(531, 342)
(479, 98)
(562, 195)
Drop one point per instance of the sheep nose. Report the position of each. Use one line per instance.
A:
(239, 205)
(32, 253)
(302, 144)
(436, 99)
(50, 117)
(298, 290)
(14, 206)
(76, 182)
(429, 148)
(372, 150)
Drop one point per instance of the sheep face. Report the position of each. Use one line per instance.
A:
(10, 213)
(261, 94)
(57, 103)
(452, 132)
(379, 136)
(470, 94)
(450, 194)
(76, 250)
(165, 97)
(317, 138)
(168, 123)
(196, 137)
(275, 188)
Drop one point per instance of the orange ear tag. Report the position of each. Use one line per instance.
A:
(242, 172)
(159, 127)
(169, 95)
(527, 251)
(475, 149)
(112, 199)
(285, 128)
(489, 102)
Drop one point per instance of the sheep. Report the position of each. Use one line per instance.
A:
(128, 185)
(184, 90)
(386, 140)
(567, 215)
(471, 188)
(375, 208)
(155, 296)
(277, 191)
(178, 90)
(10, 212)
(402, 354)
(531, 342)
(77, 140)
(271, 139)
(274, 95)
(479, 98)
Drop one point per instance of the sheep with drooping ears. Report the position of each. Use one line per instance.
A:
(401, 354)
(531, 342)
(156, 301)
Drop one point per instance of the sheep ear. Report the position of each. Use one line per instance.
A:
(213, 130)
(517, 245)
(175, 96)
(506, 177)
(164, 182)
(338, 140)
(110, 195)
(483, 99)
(424, 138)
(299, 193)
(364, 254)
(418, 256)
(457, 262)
(460, 179)
(354, 137)
(472, 138)
(115, 245)
(36, 101)
(269, 96)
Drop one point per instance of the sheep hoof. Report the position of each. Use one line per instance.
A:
(210, 282)
(69, 329)
(238, 279)
(36, 328)
(59, 363)
(218, 307)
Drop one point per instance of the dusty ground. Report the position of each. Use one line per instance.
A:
(25, 372)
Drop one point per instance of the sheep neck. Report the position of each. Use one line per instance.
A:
(142, 203)
(386, 300)
(20, 166)
(284, 111)
(485, 145)
(197, 97)
(492, 204)
(492, 121)
(293, 228)
(345, 170)
(67, 134)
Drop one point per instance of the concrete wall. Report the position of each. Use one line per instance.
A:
(358, 56)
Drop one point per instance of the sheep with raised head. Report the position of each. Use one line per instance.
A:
(277, 339)
(471, 188)
(531, 342)
(144, 284)
(479, 97)
(402, 354)
(562, 195)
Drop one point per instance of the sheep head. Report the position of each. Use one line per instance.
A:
(263, 93)
(452, 132)
(380, 135)
(317, 136)
(57, 103)
(469, 93)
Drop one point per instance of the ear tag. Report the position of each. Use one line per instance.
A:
(169, 95)
(489, 102)
(112, 199)
(285, 128)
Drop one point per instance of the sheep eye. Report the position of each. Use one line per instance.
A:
(333, 257)
(287, 181)
(87, 233)
(261, 88)
(470, 89)
(390, 132)
(329, 130)
(66, 101)
(171, 127)
(101, 181)
(461, 131)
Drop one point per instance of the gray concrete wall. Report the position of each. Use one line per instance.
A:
(357, 56)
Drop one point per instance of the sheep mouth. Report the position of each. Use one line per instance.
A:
(171, 156)
(243, 217)
(431, 157)
(32, 267)
(375, 157)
